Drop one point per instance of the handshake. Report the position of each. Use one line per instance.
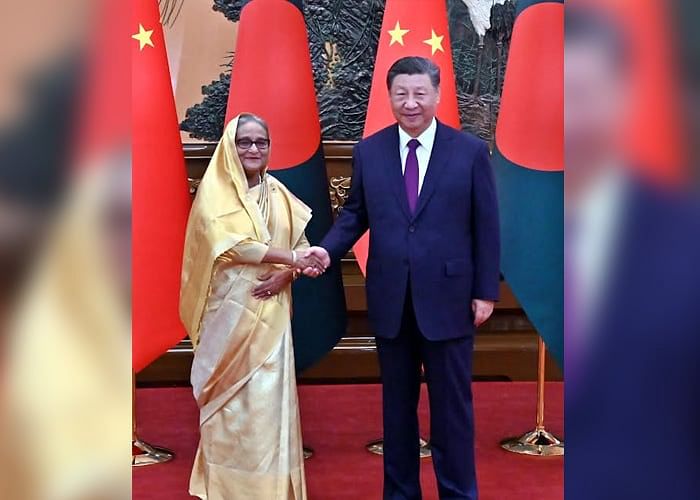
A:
(312, 262)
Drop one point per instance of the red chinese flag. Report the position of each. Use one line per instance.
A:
(103, 123)
(160, 193)
(409, 28)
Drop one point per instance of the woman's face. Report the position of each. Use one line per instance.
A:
(253, 146)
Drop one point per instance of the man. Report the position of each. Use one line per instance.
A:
(426, 193)
(633, 288)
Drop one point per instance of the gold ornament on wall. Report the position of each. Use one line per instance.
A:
(339, 188)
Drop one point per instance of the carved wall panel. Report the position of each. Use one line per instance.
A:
(343, 39)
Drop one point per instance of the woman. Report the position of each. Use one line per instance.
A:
(244, 245)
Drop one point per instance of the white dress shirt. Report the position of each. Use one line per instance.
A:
(592, 246)
(426, 139)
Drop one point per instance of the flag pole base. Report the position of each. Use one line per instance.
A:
(377, 447)
(308, 452)
(146, 454)
(538, 442)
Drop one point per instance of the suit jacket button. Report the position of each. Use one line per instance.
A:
(411, 229)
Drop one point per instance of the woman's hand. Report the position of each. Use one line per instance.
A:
(273, 282)
(309, 261)
(313, 261)
(321, 258)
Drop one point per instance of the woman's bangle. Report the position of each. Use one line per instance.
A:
(294, 257)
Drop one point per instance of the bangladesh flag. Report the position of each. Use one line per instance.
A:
(272, 77)
(529, 168)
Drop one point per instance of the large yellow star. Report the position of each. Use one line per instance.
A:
(397, 34)
(435, 42)
(144, 37)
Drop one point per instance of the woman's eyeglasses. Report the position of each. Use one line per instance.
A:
(260, 144)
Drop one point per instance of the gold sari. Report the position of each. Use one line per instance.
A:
(243, 371)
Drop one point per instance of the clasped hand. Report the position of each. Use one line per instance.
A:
(313, 261)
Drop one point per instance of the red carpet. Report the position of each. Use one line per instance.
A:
(339, 419)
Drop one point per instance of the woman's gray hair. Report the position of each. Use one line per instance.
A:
(251, 118)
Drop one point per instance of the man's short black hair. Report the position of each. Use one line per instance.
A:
(414, 65)
(589, 26)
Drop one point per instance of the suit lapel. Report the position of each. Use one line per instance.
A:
(394, 171)
(438, 159)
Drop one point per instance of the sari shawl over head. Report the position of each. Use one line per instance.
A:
(223, 215)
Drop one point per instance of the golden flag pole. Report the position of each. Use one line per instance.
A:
(143, 453)
(539, 441)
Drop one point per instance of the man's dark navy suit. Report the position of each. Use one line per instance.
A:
(423, 270)
(638, 385)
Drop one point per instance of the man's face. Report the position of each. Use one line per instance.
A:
(414, 102)
(596, 109)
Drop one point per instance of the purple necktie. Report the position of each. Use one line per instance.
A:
(410, 175)
(574, 345)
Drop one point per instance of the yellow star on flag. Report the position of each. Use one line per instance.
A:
(435, 42)
(397, 34)
(144, 37)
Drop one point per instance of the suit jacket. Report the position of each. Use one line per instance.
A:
(638, 385)
(445, 253)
